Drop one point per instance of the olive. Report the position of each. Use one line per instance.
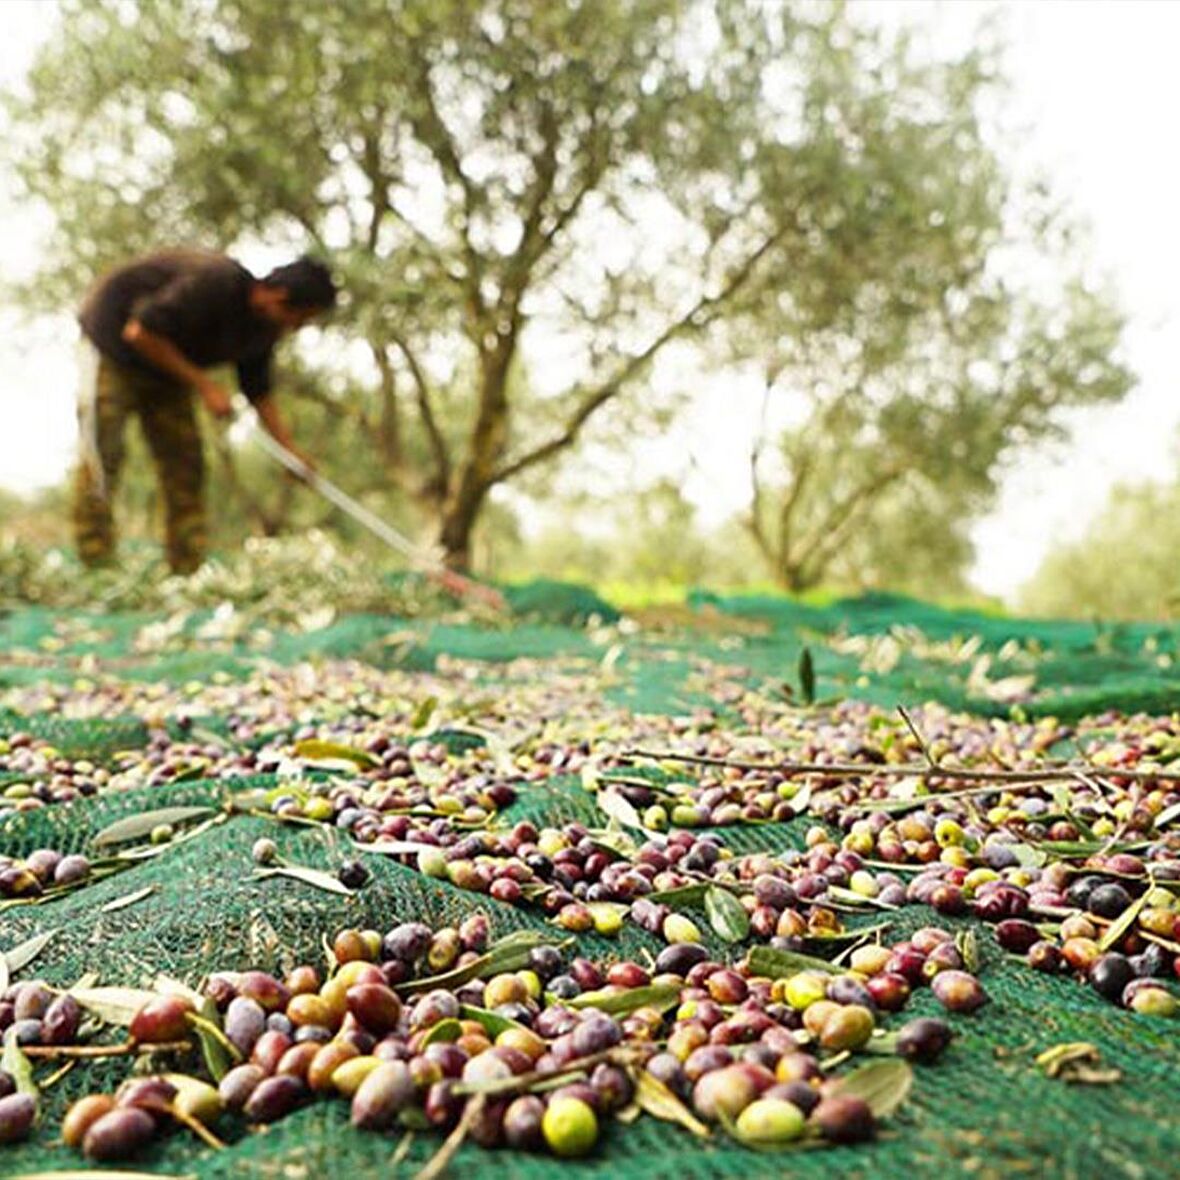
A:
(1108, 900)
(59, 1025)
(352, 874)
(118, 1133)
(82, 1115)
(569, 1126)
(238, 1084)
(770, 1121)
(850, 1027)
(1017, 935)
(844, 1119)
(680, 958)
(244, 1023)
(1045, 956)
(17, 1113)
(522, 1123)
(274, 1098)
(162, 1019)
(376, 1006)
(382, 1096)
(666, 1068)
(923, 1039)
(1110, 974)
(957, 991)
(800, 1094)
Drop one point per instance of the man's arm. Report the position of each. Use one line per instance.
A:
(271, 417)
(166, 356)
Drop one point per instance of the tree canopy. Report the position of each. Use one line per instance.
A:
(529, 204)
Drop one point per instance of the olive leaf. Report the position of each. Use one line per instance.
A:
(16, 1064)
(21, 955)
(136, 827)
(807, 676)
(317, 877)
(113, 1005)
(510, 953)
(660, 996)
(652, 1096)
(491, 1022)
(315, 750)
(219, 1052)
(884, 1085)
(1167, 816)
(445, 1030)
(127, 899)
(765, 960)
(967, 944)
(682, 895)
(727, 915)
(613, 804)
(1119, 927)
(423, 713)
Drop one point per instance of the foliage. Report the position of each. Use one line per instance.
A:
(530, 205)
(1124, 565)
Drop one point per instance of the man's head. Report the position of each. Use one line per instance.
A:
(292, 295)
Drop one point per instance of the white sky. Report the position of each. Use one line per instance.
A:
(1095, 86)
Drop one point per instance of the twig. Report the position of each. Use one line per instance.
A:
(905, 716)
(441, 1158)
(125, 1049)
(1051, 773)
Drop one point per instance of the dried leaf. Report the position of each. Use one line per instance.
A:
(317, 877)
(967, 943)
(884, 1085)
(652, 1096)
(1168, 816)
(765, 960)
(727, 915)
(136, 827)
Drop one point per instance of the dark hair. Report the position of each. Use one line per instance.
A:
(308, 283)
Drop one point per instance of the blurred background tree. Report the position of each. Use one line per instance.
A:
(1123, 567)
(529, 205)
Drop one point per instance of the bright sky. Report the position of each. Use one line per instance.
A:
(1096, 89)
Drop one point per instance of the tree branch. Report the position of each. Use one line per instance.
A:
(699, 316)
(438, 444)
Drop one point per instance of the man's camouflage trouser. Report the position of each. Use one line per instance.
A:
(110, 394)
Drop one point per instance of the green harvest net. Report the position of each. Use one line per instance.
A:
(983, 1111)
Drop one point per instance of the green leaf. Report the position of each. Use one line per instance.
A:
(317, 877)
(884, 1085)
(319, 751)
(683, 895)
(765, 960)
(445, 1030)
(136, 827)
(219, 1052)
(423, 713)
(510, 953)
(660, 996)
(491, 1022)
(16, 1064)
(727, 915)
(807, 676)
(1114, 933)
(652, 1096)
(967, 943)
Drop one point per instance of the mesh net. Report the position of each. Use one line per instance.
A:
(983, 1111)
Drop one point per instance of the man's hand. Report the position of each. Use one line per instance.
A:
(216, 398)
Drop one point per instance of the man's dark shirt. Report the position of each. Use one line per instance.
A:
(199, 301)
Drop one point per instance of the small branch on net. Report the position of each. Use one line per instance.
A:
(1054, 772)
